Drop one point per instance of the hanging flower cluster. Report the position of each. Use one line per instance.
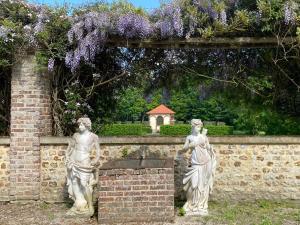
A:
(289, 12)
(86, 32)
(206, 6)
(51, 65)
(170, 22)
(43, 18)
(89, 32)
(134, 26)
(223, 17)
(4, 31)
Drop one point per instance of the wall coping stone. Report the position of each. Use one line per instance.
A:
(4, 140)
(159, 140)
(135, 164)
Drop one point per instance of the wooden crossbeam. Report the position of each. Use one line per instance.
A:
(194, 43)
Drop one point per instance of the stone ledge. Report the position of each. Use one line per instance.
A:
(4, 140)
(158, 140)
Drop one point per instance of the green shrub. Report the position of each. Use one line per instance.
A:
(181, 211)
(219, 130)
(266, 122)
(174, 130)
(124, 129)
(241, 132)
(124, 152)
(185, 129)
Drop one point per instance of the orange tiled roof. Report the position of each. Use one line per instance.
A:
(162, 109)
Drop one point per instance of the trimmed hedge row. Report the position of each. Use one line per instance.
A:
(125, 129)
(168, 130)
(219, 130)
(174, 130)
(185, 129)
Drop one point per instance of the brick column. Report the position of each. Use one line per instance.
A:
(30, 119)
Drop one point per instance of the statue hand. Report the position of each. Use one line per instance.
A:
(193, 144)
(95, 162)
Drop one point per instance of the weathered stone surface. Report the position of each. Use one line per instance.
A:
(251, 179)
(260, 175)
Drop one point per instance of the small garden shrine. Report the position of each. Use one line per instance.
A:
(161, 115)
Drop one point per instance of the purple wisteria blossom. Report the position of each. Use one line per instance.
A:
(69, 58)
(42, 19)
(289, 13)
(223, 17)
(192, 27)
(258, 16)
(134, 26)
(206, 6)
(76, 32)
(76, 60)
(29, 35)
(4, 31)
(233, 3)
(170, 21)
(51, 65)
(89, 33)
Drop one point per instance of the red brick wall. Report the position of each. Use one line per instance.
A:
(136, 195)
(30, 119)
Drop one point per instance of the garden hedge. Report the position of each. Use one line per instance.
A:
(185, 129)
(174, 130)
(125, 129)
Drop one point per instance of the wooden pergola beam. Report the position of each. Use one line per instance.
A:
(194, 43)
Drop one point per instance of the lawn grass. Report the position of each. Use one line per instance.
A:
(260, 212)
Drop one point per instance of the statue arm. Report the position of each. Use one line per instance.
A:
(71, 146)
(187, 145)
(96, 144)
(209, 148)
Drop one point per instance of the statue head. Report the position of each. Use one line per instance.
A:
(196, 125)
(86, 122)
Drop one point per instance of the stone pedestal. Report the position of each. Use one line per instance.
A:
(138, 194)
(30, 119)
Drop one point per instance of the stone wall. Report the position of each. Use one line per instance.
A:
(248, 167)
(30, 119)
(4, 169)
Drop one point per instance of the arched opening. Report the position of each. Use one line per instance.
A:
(159, 122)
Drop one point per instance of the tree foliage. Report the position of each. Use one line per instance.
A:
(90, 78)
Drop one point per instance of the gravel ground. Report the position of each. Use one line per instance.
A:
(40, 213)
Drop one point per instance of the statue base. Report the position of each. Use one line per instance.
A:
(201, 212)
(73, 212)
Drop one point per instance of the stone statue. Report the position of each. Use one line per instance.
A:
(198, 181)
(81, 169)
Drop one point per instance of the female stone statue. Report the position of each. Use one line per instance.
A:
(80, 168)
(198, 181)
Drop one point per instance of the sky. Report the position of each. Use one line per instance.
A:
(147, 4)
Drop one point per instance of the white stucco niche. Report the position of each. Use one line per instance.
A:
(160, 115)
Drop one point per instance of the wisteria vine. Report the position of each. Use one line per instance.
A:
(91, 28)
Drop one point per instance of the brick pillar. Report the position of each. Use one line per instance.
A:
(30, 119)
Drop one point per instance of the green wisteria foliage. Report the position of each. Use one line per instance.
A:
(78, 37)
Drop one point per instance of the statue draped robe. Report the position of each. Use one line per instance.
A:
(198, 181)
